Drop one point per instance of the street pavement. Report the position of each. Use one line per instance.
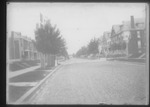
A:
(82, 81)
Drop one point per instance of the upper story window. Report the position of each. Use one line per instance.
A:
(139, 25)
(139, 44)
(138, 34)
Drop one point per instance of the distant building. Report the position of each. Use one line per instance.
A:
(105, 41)
(130, 36)
(21, 47)
(137, 42)
(117, 42)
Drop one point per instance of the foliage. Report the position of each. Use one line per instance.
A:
(48, 39)
(118, 46)
(82, 51)
(93, 46)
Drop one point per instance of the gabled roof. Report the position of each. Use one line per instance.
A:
(106, 34)
(116, 28)
(126, 26)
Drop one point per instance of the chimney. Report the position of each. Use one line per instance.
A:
(41, 18)
(132, 22)
(37, 26)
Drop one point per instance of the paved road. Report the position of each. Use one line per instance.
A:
(82, 81)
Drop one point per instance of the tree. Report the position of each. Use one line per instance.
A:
(48, 40)
(93, 46)
(82, 51)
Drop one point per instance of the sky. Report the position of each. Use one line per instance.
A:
(77, 22)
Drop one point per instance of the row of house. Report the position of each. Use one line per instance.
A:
(21, 47)
(127, 38)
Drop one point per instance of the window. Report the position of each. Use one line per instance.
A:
(140, 51)
(138, 34)
(139, 44)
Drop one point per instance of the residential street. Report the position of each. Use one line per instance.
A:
(95, 53)
(83, 81)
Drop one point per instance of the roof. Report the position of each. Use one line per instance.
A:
(116, 28)
(137, 21)
(126, 26)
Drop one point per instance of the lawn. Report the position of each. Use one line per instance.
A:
(15, 92)
(18, 65)
(133, 60)
(136, 55)
(33, 76)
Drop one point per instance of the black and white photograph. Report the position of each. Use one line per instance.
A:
(77, 53)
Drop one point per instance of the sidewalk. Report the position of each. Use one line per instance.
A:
(30, 93)
(126, 59)
(24, 82)
(19, 72)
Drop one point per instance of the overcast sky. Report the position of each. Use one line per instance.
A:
(78, 22)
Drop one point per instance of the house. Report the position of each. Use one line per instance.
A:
(21, 47)
(137, 42)
(105, 42)
(129, 37)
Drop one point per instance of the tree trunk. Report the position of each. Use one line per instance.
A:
(42, 61)
(49, 60)
(56, 61)
(46, 59)
(127, 53)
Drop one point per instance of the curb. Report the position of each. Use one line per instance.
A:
(132, 63)
(21, 99)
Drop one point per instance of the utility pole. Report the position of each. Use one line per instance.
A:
(127, 47)
(99, 49)
(147, 50)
